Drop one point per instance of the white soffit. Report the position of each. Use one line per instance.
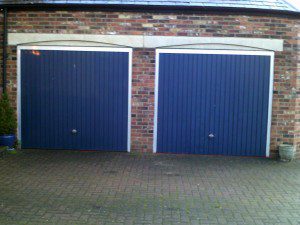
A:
(140, 41)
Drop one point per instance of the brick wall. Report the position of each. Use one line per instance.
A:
(286, 109)
(143, 76)
(297, 114)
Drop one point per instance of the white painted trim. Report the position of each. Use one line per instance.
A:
(144, 41)
(65, 48)
(216, 46)
(214, 52)
(219, 52)
(129, 99)
(272, 55)
(156, 100)
(68, 48)
(19, 96)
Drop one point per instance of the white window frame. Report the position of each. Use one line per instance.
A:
(67, 48)
(215, 52)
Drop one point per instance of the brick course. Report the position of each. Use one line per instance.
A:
(286, 100)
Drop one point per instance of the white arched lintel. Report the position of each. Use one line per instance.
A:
(142, 41)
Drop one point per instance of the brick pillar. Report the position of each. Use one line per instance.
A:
(297, 91)
(142, 111)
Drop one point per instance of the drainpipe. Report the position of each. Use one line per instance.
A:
(4, 52)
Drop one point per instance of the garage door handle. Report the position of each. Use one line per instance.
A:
(74, 131)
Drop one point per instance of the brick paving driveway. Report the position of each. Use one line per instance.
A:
(64, 187)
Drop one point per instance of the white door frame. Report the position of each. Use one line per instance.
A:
(215, 52)
(66, 48)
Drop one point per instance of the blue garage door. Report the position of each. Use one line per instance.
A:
(213, 104)
(74, 99)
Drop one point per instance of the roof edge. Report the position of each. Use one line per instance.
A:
(184, 9)
(292, 6)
